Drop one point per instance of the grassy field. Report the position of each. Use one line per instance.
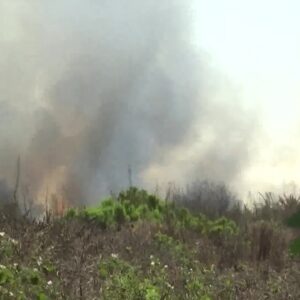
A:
(136, 246)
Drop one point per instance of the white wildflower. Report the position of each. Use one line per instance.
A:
(39, 261)
(11, 294)
(152, 263)
(114, 255)
(166, 266)
(15, 242)
(170, 286)
(2, 233)
(49, 282)
(2, 267)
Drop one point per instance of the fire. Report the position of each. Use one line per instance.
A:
(51, 193)
(58, 205)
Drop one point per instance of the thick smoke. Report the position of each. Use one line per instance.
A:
(5, 192)
(88, 88)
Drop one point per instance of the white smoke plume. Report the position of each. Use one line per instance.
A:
(90, 87)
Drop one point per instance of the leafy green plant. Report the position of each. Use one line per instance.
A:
(222, 226)
(134, 205)
(25, 283)
(130, 206)
(120, 280)
(294, 222)
(174, 248)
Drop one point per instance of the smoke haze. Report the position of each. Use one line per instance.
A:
(89, 88)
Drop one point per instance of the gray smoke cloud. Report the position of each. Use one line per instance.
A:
(90, 87)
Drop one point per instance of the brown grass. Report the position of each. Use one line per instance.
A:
(256, 260)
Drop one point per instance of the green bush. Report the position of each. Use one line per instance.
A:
(294, 222)
(131, 205)
(134, 205)
(222, 226)
(124, 281)
(18, 282)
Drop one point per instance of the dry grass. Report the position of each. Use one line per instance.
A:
(254, 264)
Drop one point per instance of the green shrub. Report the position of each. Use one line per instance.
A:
(222, 226)
(134, 205)
(71, 213)
(121, 280)
(175, 248)
(131, 205)
(295, 247)
(294, 222)
(23, 283)
(120, 214)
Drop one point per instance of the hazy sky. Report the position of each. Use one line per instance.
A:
(256, 44)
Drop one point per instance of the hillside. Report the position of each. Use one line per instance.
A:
(136, 246)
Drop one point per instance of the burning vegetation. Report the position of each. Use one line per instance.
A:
(87, 91)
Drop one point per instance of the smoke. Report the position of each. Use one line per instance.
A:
(5, 192)
(89, 88)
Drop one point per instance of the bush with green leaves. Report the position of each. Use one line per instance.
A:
(222, 226)
(133, 205)
(17, 282)
(294, 222)
(121, 280)
(129, 206)
(24, 282)
(175, 249)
